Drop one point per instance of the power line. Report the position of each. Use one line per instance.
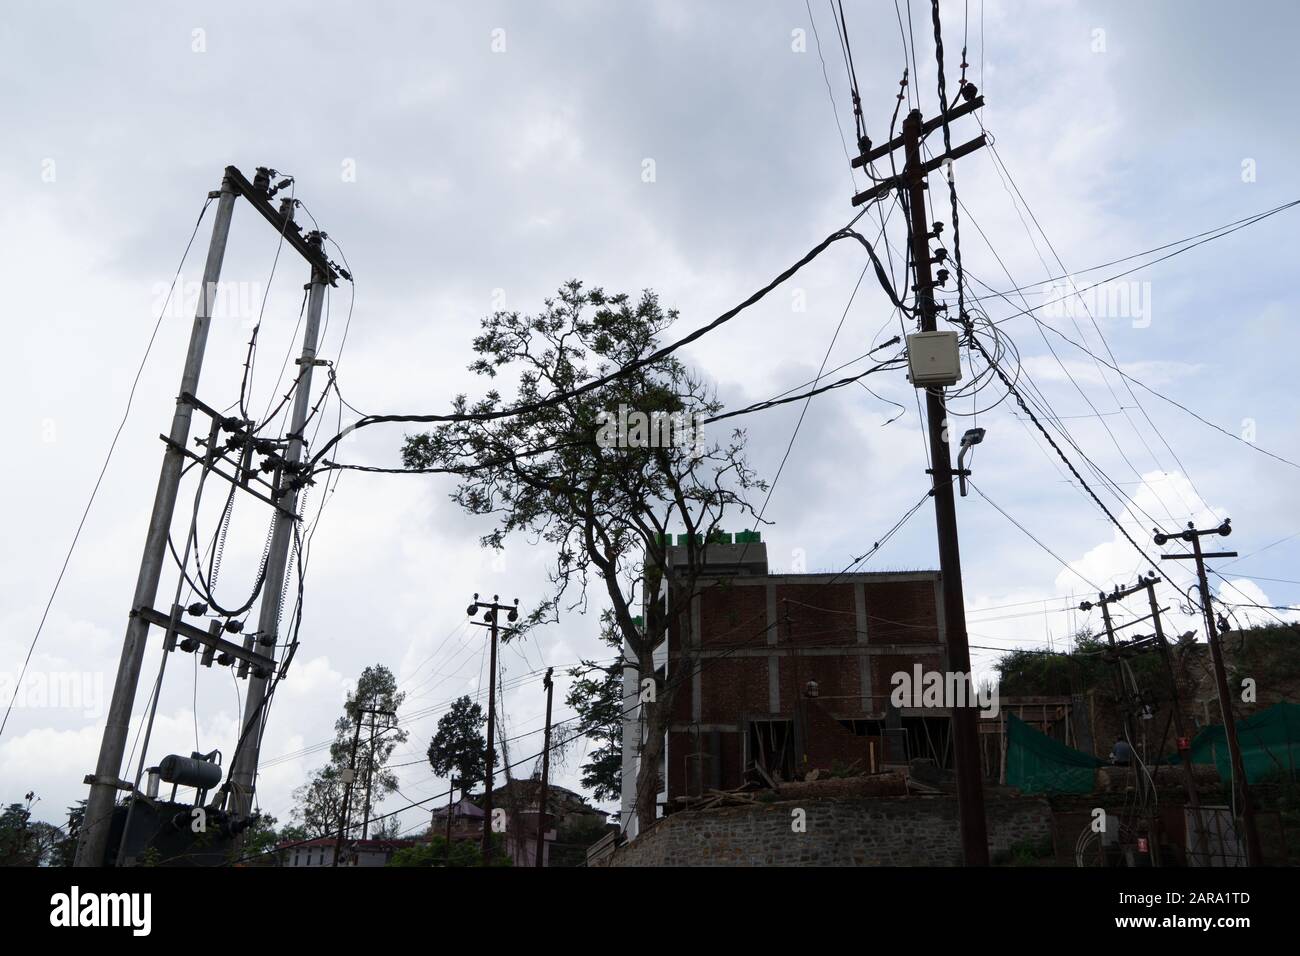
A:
(103, 468)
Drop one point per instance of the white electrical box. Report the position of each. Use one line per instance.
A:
(933, 359)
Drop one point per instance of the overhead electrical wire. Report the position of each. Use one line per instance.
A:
(108, 457)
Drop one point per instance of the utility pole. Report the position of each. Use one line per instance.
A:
(490, 621)
(243, 772)
(105, 782)
(450, 790)
(352, 775)
(370, 780)
(965, 729)
(347, 792)
(546, 771)
(1254, 852)
(1122, 697)
(1180, 728)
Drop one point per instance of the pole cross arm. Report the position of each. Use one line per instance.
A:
(214, 644)
(286, 227)
(956, 152)
(928, 127)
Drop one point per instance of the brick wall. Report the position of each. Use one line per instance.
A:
(898, 831)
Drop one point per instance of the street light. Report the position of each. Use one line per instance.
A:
(969, 440)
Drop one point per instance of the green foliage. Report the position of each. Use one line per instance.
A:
(260, 836)
(458, 749)
(551, 473)
(16, 839)
(572, 838)
(65, 850)
(1027, 852)
(463, 853)
(596, 696)
(319, 802)
(1272, 649)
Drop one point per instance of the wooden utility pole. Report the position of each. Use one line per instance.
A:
(1241, 790)
(965, 727)
(546, 771)
(490, 621)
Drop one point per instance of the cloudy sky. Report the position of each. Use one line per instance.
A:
(468, 157)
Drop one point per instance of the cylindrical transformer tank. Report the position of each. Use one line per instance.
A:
(189, 772)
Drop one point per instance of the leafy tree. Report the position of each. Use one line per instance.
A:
(596, 696)
(464, 853)
(294, 833)
(573, 837)
(553, 473)
(261, 835)
(65, 850)
(320, 801)
(389, 828)
(16, 842)
(458, 749)
(376, 690)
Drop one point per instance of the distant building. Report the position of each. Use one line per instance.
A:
(320, 852)
(794, 673)
(518, 800)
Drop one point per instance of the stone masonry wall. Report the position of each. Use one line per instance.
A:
(889, 831)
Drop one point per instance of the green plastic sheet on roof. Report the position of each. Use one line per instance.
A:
(1270, 744)
(1038, 764)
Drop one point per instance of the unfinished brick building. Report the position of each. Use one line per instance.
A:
(793, 673)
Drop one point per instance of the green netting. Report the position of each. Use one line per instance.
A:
(1038, 764)
(1270, 744)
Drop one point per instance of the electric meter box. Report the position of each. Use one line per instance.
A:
(933, 359)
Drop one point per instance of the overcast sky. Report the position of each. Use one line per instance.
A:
(468, 157)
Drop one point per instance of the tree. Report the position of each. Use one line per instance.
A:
(376, 690)
(24, 841)
(320, 801)
(65, 850)
(260, 837)
(458, 750)
(596, 696)
(464, 853)
(564, 469)
(15, 836)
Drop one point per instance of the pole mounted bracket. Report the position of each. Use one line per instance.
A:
(116, 783)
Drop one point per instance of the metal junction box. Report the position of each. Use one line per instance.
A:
(933, 359)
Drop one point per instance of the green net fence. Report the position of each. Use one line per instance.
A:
(1270, 745)
(1038, 764)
